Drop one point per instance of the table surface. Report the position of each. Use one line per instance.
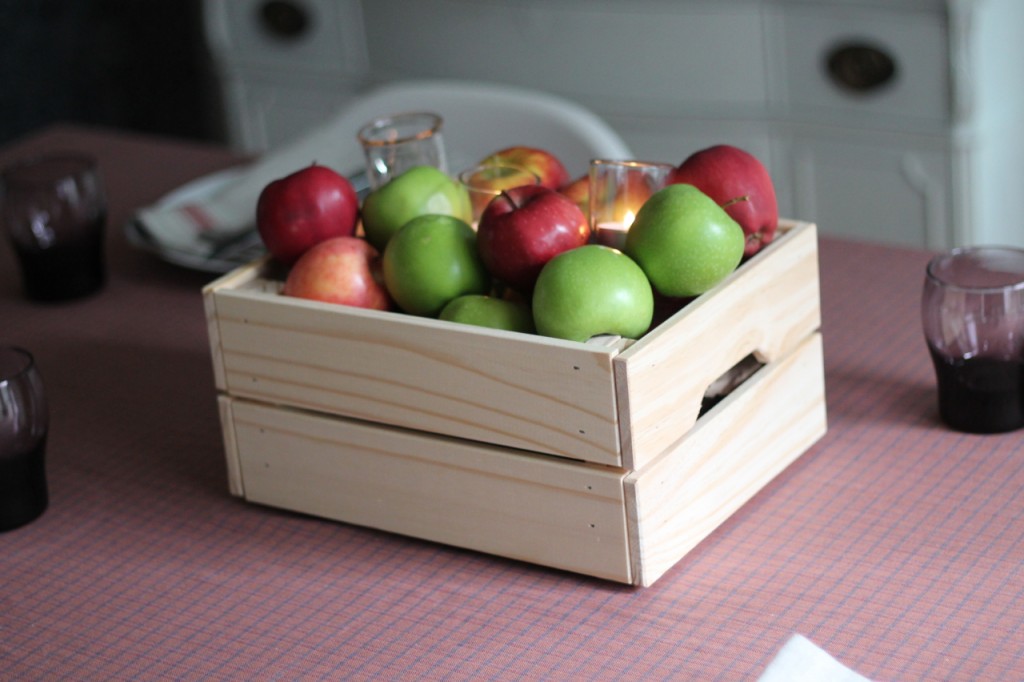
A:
(894, 544)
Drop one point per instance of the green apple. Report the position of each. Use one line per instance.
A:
(684, 241)
(432, 260)
(488, 311)
(418, 191)
(592, 290)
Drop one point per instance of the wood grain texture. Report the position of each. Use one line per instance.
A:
(767, 307)
(523, 391)
(236, 278)
(540, 509)
(234, 465)
(517, 390)
(733, 452)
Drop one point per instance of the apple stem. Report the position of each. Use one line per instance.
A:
(509, 198)
(745, 197)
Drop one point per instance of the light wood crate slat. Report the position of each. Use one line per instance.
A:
(767, 307)
(733, 452)
(234, 464)
(523, 391)
(553, 512)
(240, 277)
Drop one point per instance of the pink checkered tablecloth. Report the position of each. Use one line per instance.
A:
(894, 544)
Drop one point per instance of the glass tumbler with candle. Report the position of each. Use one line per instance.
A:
(972, 309)
(617, 191)
(54, 209)
(488, 181)
(393, 144)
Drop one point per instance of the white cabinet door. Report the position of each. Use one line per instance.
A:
(636, 58)
(285, 37)
(887, 68)
(897, 191)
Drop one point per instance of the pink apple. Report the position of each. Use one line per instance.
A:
(579, 191)
(738, 182)
(540, 162)
(300, 210)
(345, 270)
(525, 227)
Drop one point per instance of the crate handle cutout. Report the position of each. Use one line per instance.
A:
(729, 381)
(767, 307)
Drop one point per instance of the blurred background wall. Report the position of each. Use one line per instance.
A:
(888, 120)
(138, 65)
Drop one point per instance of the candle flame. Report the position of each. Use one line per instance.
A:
(628, 219)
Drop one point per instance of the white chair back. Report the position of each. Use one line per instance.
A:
(481, 118)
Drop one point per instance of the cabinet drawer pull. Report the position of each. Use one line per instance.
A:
(284, 19)
(860, 67)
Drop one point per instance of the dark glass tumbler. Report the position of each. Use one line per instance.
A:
(23, 427)
(54, 210)
(972, 308)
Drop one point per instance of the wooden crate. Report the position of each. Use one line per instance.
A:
(593, 458)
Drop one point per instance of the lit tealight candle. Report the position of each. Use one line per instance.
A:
(613, 234)
(617, 191)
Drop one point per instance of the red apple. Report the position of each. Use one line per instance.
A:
(740, 183)
(344, 270)
(298, 211)
(540, 162)
(525, 227)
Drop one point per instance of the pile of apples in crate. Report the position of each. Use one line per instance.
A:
(531, 265)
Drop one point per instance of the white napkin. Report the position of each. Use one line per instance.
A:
(800, 660)
(202, 226)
